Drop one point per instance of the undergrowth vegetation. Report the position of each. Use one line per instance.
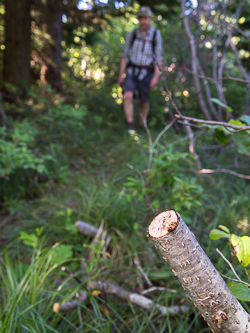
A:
(76, 162)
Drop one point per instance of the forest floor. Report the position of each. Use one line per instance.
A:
(106, 183)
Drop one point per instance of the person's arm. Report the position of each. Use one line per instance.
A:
(156, 75)
(159, 58)
(124, 59)
(122, 71)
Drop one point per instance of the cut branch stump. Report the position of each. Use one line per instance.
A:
(204, 285)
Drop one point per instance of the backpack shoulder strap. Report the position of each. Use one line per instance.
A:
(154, 40)
(132, 39)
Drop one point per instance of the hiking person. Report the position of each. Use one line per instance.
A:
(138, 70)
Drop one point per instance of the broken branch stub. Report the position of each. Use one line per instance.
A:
(204, 285)
(86, 228)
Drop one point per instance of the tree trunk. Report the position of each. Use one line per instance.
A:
(205, 287)
(17, 43)
(191, 39)
(54, 53)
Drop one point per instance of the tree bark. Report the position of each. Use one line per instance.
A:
(17, 43)
(54, 53)
(205, 287)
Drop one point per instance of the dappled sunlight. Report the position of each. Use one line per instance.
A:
(243, 224)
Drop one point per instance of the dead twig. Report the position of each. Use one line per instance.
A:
(138, 265)
(134, 298)
(212, 79)
(203, 171)
(231, 266)
(192, 145)
(235, 280)
(212, 122)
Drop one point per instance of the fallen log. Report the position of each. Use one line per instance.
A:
(204, 285)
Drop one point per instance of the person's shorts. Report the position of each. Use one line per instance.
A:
(133, 82)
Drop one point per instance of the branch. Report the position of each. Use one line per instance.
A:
(211, 78)
(162, 70)
(137, 299)
(138, 265)
(234, 48)
(212, 122)
(86, 229)
(91, 231)
(191, 144)
(204, 285)
(231, 266)
(69, 306)
(203, 171)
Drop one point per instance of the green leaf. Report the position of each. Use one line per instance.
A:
(224, 228)
(29, 240)
(217, 234)
(242, 249)
(62, 253)
(240, 291)
(71, 228)
(236, 122)
(242, 141)
(39, 231)
(221, 137)
(217, 101)
(245, 119)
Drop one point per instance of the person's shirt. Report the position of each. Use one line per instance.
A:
(141, 52)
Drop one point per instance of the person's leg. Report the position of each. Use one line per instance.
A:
(128, 107)
(129, 90)
(144, 109)
(144, 91)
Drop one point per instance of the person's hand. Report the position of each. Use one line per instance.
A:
(121, 80)
(153, 81)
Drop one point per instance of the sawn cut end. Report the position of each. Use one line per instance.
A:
(163, 223)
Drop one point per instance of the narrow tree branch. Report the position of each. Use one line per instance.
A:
(235, 280)
(163, 131)
(69, 306)
(231, 266)
(239, 175)
(208, 93)
(138, 265)
(191, 144)
(241, 67)
(109, 288)
(166, 86)
(153, 144)
(213, 79)
(216, 123)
